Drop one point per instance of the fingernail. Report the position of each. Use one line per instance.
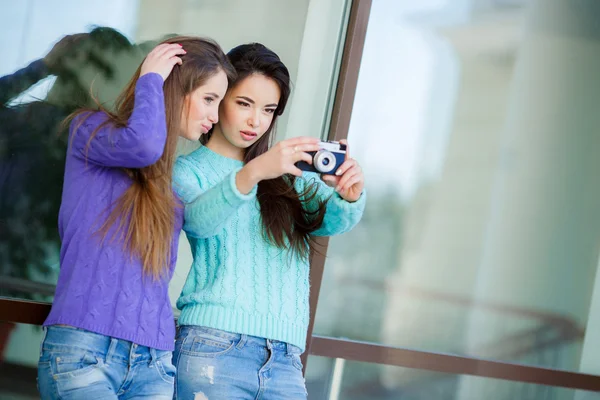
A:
(338, 172)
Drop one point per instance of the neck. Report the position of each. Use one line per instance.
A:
(220, 145)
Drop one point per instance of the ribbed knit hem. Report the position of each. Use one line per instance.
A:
(358, 205)
(237, 322)
(167, 345)
(232, 193)
(153, 78)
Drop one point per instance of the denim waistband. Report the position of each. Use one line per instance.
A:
(241, 340)
(66, 339)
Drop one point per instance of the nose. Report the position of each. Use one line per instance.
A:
(213, 117)
(254, 121)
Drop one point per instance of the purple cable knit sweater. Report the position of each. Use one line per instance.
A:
(100, 287)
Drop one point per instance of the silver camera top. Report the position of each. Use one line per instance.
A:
(333, 146)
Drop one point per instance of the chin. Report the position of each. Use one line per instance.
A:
(245, 145)
(240, 144)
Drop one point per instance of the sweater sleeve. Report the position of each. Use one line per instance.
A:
(14, 84)
(340, 215)
(139, 144)
(206, 210)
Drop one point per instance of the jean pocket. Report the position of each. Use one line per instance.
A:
(209, 343)
(73, 365)
(166, 369)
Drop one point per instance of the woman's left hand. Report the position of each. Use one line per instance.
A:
(349, 180)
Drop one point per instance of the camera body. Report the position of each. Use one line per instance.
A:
(326, 160)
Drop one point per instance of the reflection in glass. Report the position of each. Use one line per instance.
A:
(479, 137)
(44, 78)
(19, 353)
(348, 380)
(32, 155)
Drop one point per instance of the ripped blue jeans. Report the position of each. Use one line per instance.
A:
(213, 364)
(78, 364)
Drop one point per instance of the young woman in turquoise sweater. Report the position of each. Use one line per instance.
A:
(250, 216)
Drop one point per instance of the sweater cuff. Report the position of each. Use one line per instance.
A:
(152, 79)
(356, 206)
(232, 193)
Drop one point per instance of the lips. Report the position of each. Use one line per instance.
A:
(248, 135)
(206, 128)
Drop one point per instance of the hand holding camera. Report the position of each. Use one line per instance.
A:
(327, 159)
(281, 159)
(340, 171)
(292, 156)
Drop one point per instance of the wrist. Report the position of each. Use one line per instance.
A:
(254, 172)
(247, 178)
(350, 198)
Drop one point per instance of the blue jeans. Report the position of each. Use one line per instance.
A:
(78, 364)
(213, 364)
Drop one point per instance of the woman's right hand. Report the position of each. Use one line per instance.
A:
(279, 160)
(162, 59)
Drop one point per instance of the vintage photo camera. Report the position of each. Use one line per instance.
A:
(327, 160)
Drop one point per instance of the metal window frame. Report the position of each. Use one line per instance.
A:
(354, 43)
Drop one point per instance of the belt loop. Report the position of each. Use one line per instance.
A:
(111, 349)
(44, 334)
(153, 356)
(288, 349)
(242, 342)
(269, 344)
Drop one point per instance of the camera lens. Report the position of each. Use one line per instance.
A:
(324, 161)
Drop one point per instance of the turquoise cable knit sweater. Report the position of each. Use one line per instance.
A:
(239, 282)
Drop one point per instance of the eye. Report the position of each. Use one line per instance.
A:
(270, 110)
(209, 100)
(243, 103)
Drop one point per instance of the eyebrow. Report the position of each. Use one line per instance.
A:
(213, 94)
(249, 100)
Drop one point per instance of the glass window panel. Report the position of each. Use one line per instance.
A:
(329, 379)
(307, 35)
(19, 353)
(476, 124)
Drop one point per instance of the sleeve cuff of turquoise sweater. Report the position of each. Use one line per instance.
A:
(358, 205)
(232, 193)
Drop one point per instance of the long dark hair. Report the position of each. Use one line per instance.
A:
(288, 221)
(145, 210)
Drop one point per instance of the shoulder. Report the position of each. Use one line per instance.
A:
(190, 170)
(190, 163)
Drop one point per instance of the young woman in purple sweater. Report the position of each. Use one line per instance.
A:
(110, 333)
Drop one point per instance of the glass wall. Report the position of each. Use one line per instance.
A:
(476, 123)
(363, 381)
(43, 78)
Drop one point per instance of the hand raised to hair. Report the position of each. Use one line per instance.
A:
(162, 59)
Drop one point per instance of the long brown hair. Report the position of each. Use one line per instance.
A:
(145, 212)
(288, 222)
